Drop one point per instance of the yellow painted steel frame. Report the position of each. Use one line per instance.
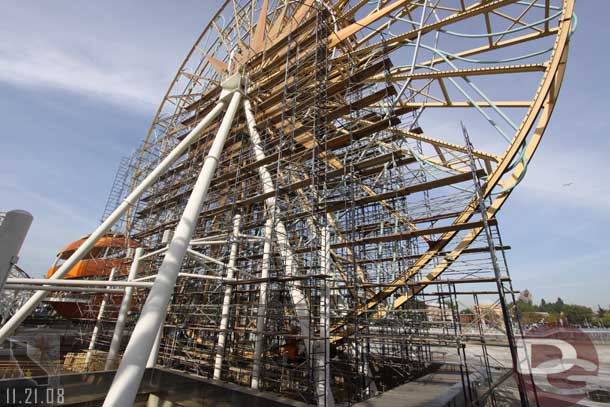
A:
(541, 109)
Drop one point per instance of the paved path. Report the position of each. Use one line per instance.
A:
(431, 390)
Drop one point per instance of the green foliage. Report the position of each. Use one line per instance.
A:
(559, 310)
(604, 320)
(577, 314)
(527, 307)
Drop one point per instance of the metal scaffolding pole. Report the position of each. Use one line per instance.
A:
(98, 322)
(73, 282)
(324, 389)
(27, 308)
(262, 304)
(127, 380)
(119, 326)
(226, 302)
(25, 287)
(510, 336)
(154, 353)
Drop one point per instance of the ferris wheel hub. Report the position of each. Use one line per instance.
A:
(230, 85)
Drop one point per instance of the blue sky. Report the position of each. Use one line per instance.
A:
(80, 81)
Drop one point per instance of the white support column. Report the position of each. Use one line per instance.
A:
(298, 298)
(119, 327)
(262, 304)
(13, 230)
(127, 380)
(9, 327)
(226, 302)
(98, 322)
(154, 353)
(323, 379)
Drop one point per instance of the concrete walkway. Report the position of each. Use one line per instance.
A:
(432, 390)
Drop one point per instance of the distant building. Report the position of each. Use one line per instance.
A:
(435, 312)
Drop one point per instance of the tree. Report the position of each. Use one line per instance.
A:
(577, 314)
(542, 303)
(552, 308)
(526, 307)
(601, 312)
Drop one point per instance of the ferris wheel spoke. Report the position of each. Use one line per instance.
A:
(221, 36)
(492, 70)
(278, 22)
(520, 104)
(445, 145)
(478, 50)
(354, 28)
(281, 26)
(347, 15)
(258, 38)
(472, 11)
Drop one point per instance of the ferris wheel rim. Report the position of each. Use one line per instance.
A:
(551, 77)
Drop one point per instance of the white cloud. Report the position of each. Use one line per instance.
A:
(55, 208)
(43, 65)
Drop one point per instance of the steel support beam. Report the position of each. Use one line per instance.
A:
(322, 359)
(127, 380)
(9, 327)
(299, 301)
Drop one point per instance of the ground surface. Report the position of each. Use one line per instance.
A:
(508, 395)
